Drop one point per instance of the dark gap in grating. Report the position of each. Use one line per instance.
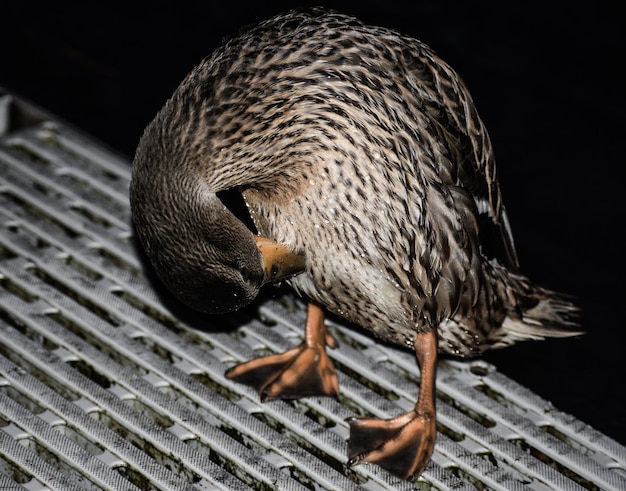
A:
(91, 373)
(344, 339)
(77, 158)
(215, 386)
(128, 434)
(3, 422)
(49, 137)
(92, 447)
(230, 466)
(479, 418)
(314, 415)
(551, 430)
(156, 348)
(261, 351)
(136, 477)
(22, 399)
(42, 376)
(81, 268)
(15, 472)
(269, 421)
(111, 176)
(34, 240)
(85, 188)
(405, 374)
(58, 463)
(177, 467)
(159, 350)
(299, 476)
(352, 474)
(267, 321)
(317, 452)
(301, 441)
(291, 302)
(10, 286)
(562, 469)
(71, 293)
(29, 153)
(489, 457)
(493, 394)
(7, 253)
(160, 419)
(170, 322)
(40, 188)
(100, 345)
(353, 405)
(480, 369)
(26, 331)
(239, 437)
(39, 214)
(232, 432)
(165, 320)
(468, 478)
(188, 403)
(363, 379)
(453, 435)
(90, 215)
(132, 436)
(117, 261)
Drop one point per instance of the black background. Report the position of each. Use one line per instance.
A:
(546, 78)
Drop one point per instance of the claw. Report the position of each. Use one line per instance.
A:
(303, 371)
(403, 445)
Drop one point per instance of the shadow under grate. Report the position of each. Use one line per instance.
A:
(105, 385)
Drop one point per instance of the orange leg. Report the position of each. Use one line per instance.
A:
(303, 371)
(403, 445)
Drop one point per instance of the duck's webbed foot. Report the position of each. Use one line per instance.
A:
(303, 371)
(402, 445)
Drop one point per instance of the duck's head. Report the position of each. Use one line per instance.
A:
(203, 254)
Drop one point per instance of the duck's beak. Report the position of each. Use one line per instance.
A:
(278, 261)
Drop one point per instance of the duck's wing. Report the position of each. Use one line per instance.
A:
(448, 184)
(476, 169)
(478, 176)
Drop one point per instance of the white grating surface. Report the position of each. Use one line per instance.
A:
(101, 387)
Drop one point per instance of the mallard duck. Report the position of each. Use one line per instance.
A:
(371, 186)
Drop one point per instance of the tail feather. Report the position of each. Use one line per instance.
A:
(509, 308)
(554, 316)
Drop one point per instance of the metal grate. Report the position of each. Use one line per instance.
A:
(103, 386)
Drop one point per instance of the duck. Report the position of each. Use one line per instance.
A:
(369, 186)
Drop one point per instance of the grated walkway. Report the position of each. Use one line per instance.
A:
(106, 385)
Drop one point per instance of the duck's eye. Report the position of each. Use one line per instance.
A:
(274, 271)
(245, 274)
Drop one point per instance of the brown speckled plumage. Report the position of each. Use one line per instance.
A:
(357, 148)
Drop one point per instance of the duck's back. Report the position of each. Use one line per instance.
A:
(373, 162)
